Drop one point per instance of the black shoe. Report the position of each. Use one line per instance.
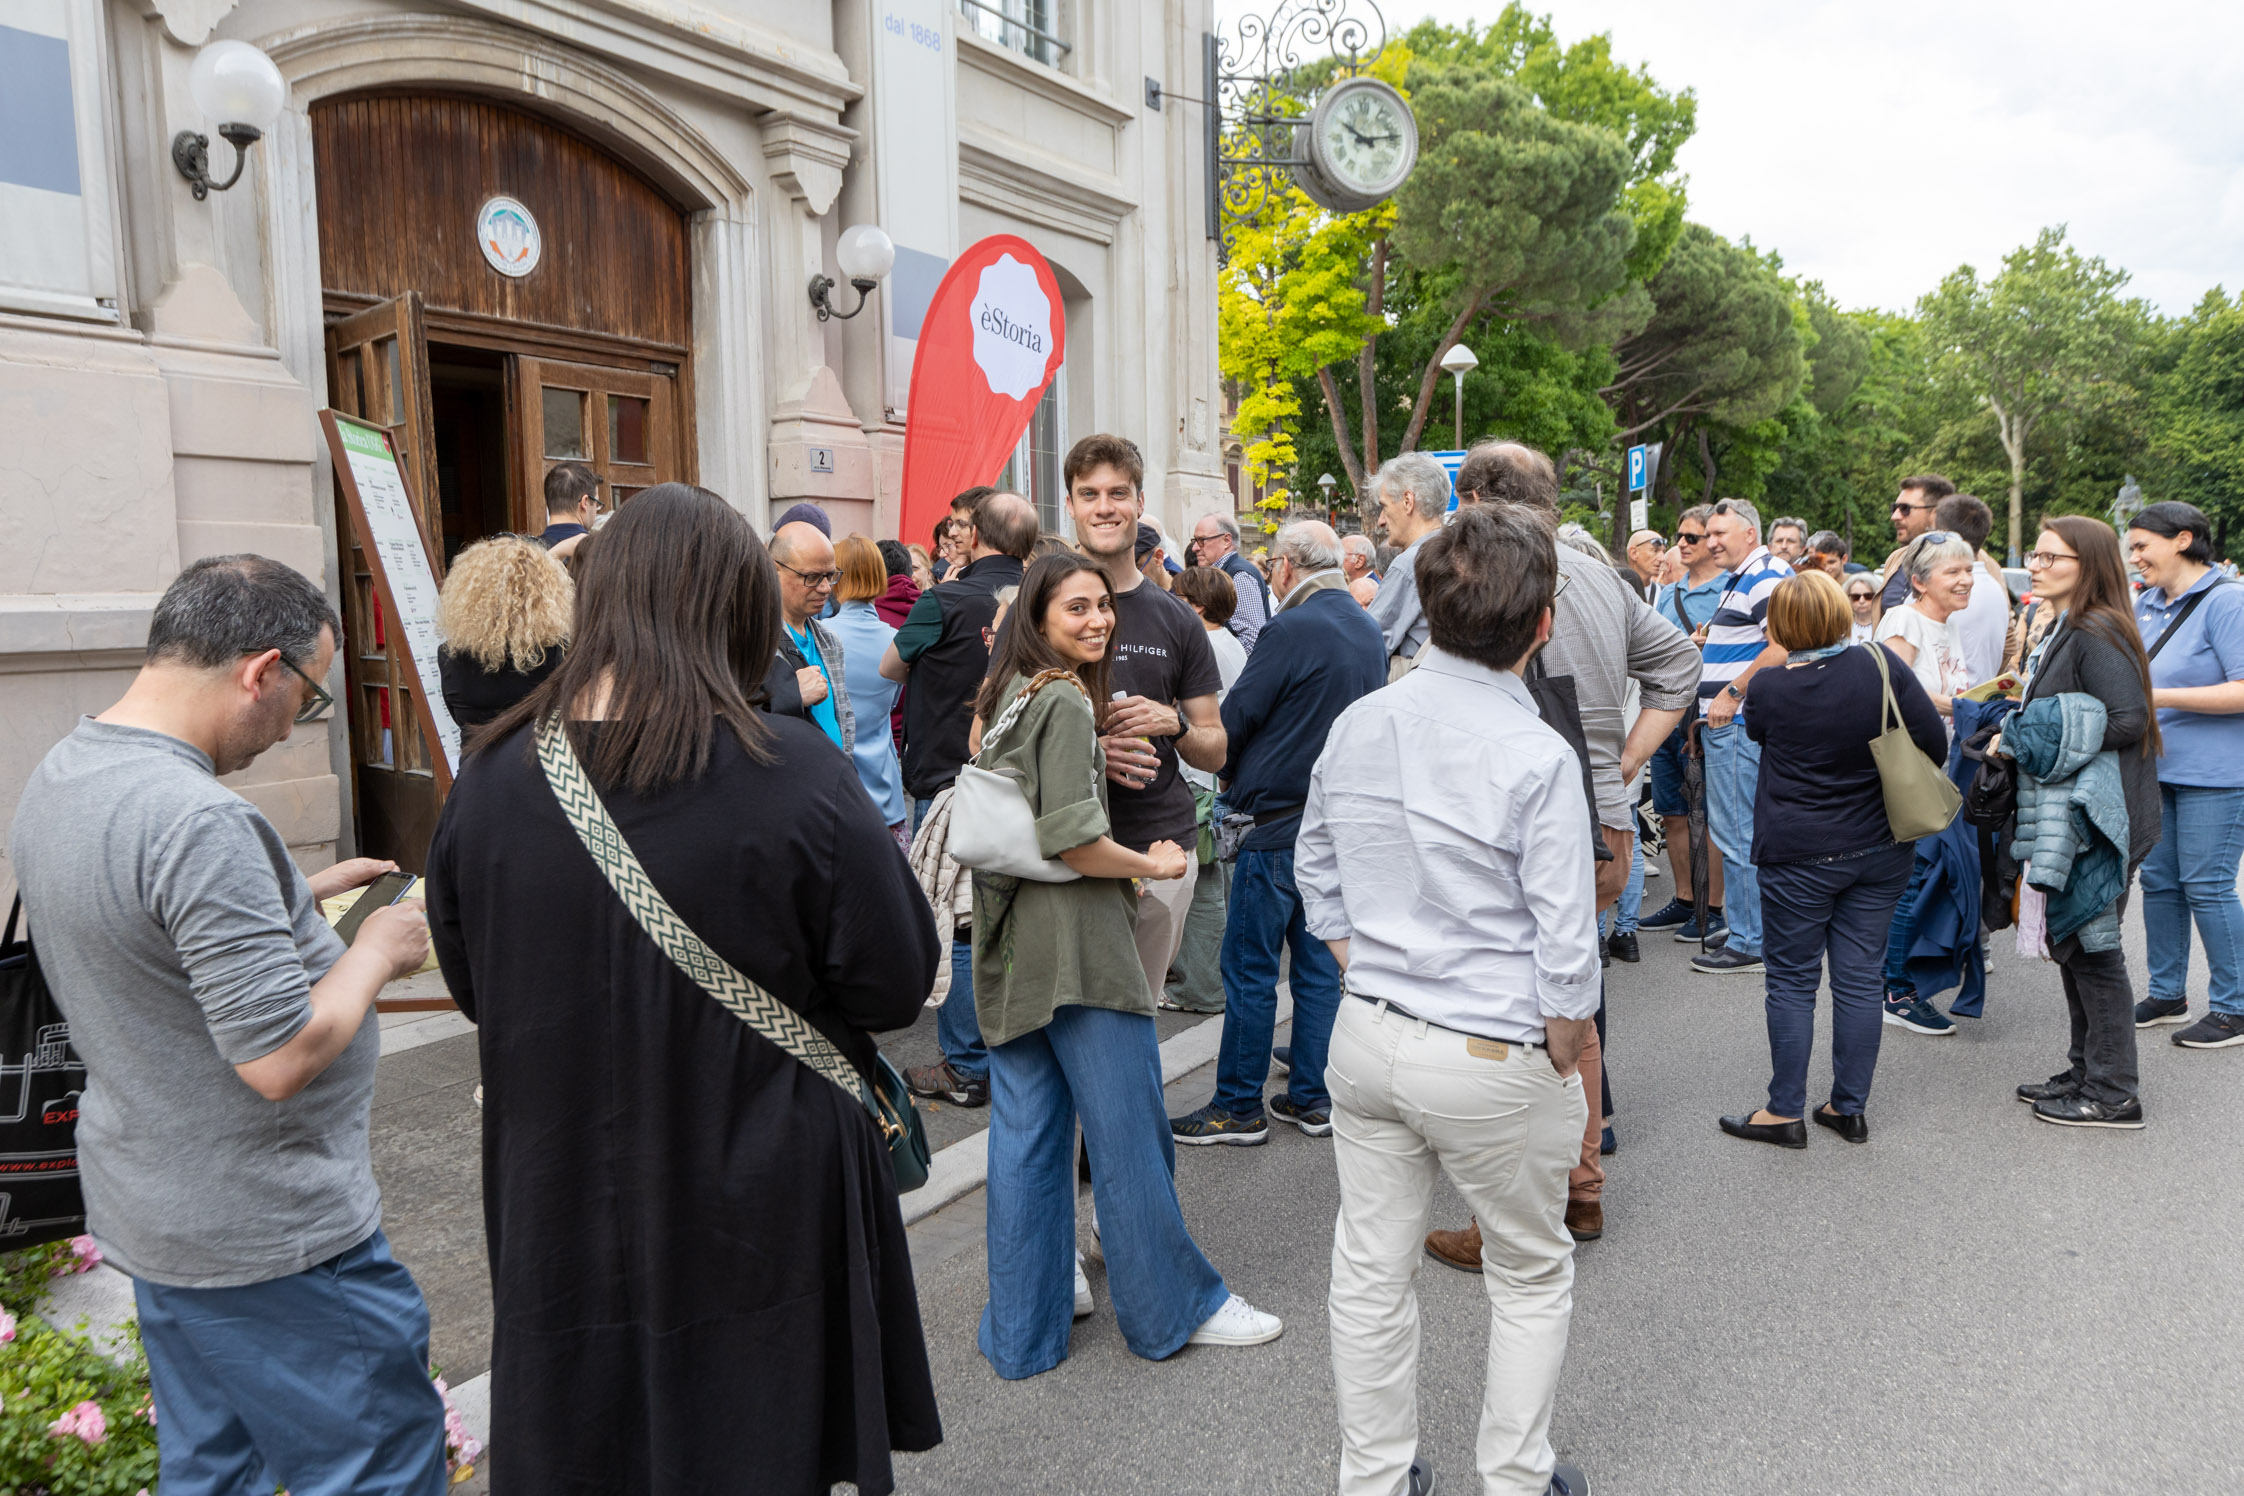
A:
(1282, 1057)
(2213, 1031)
(1722, 962)
(1313, 1122)
(1421, 1477)
(1792, 1134)
(2152, 1012)
(1211, 1126)
(1852, 1126)
(1676, 912)
(1567, 1480)
(2056, 1088)
(2083, 1111)
(1604, 954)
(1624, 947)
(1605, 1143)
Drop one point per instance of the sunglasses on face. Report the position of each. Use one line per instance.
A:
(1689, 537)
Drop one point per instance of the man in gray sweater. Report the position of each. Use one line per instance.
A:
(222, 1138)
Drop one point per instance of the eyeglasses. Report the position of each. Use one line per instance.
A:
(1862, 596)
(2043, 560)
(315, 703)
(1689, 537)
(1900, 508)
(1561, 587)
(816, 581)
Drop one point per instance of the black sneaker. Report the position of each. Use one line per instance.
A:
(2082, 1111)
(2213, 1031)
(1282, 1056)
(1209, 1126)
(2154, 1012)
(1723, 962)
(1913, 1013)
(942, 1083)
(1676, 912)
(1316, 1123)
(2056, 1088)
(1567, 1480)
(1624, 947)
(1687, 933)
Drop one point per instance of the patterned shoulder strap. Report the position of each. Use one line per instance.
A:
(1019, 704)
(746, 1001)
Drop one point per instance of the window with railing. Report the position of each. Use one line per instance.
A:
(1029, 27)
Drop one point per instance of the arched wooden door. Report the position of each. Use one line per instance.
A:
(489, 368)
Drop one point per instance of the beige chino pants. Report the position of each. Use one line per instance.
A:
(1161, 911)
(1409, 1098)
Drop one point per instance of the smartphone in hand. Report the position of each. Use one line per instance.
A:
(380, 894)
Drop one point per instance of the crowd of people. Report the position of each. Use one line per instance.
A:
(1052, 786)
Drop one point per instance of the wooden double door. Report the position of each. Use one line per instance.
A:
(478, 416)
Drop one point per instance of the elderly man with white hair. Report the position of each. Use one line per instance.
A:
(1215, 542)
(1358, 560)
(1413, 494)
(1317, 656)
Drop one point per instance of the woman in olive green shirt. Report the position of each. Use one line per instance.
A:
(1063, 1005)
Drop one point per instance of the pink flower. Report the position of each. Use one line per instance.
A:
(88, 1255)
(85, 1420)
(7, 1327)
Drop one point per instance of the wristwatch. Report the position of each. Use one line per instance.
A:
(1735, 693)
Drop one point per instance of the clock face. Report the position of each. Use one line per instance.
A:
(1369, 140)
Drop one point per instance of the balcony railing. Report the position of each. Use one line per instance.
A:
(1023, 25)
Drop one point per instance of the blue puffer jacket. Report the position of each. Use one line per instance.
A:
(2072, 816)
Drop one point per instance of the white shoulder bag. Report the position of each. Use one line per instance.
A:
(993, 826)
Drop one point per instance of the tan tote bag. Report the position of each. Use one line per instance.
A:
(1920, 797)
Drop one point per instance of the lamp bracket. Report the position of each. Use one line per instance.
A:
(190, 152)
(821, 297)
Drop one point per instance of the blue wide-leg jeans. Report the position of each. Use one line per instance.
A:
(2191, 873)
(1733, 773)
(1104, 1067)
(1265, 919)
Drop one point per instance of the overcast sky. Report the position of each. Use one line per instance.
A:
(1878, 144)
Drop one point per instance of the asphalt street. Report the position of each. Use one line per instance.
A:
(1973, 1301)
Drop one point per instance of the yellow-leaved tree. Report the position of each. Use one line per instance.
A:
(1292, 301)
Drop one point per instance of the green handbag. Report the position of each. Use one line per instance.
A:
(1203, 815)
(1920, 797)
(885, 1097)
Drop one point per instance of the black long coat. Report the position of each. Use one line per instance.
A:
(700, 1279)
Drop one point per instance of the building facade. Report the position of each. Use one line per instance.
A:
(518, 231)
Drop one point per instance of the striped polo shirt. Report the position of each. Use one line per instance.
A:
(1740, 629)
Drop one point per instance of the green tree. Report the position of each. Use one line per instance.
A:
(2046, 337)
(2197, 413)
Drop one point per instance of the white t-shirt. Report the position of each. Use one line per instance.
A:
(1984, 623)
(1941, 667)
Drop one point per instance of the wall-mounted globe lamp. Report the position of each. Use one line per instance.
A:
(236, 84)
(865, 255)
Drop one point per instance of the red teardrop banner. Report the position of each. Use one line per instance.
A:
(992, 339)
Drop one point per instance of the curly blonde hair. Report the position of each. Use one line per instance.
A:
(505, 600)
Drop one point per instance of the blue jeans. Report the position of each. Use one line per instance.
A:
(1104, 1067)
(1733, 772)
(2192, 872)
(1903, 933)
(1631, 906)
(1668, 798)
(1837, 908)
(1266, 917)
(956, 1027)
(319, 1380)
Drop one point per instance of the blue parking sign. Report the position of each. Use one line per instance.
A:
(1636, 467)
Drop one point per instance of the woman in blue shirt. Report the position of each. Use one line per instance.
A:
(2192, 620)
(865, 637)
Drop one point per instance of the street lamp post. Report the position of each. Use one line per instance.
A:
(1327, 483)
(1458, 361)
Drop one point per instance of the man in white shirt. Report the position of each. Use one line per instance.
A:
(1985, 620)
(1457, 1043)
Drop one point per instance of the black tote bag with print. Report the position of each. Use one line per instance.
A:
(41, 1077)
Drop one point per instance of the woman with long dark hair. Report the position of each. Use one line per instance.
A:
(700, 1280)
(2092, 651)
(1063, 1004)
(2192, 621)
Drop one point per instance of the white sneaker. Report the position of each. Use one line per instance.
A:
(1082, 1289)
(1238, 1323)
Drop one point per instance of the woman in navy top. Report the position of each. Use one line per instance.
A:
(2192, 618)
(1831, 871)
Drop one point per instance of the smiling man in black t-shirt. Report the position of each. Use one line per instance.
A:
(1165, 678)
